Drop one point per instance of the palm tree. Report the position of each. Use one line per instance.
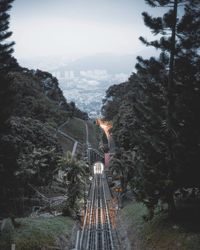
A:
(122, 165)
(75, 177)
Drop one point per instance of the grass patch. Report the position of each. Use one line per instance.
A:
(162, 233)
(76, 129)
(93, 134)
(33, 234)
(66, 144)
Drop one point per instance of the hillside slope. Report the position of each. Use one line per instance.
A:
(34, 106)
(76, 129)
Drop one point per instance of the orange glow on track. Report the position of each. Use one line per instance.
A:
(112, 215)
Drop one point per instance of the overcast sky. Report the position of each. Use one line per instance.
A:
(78, 27)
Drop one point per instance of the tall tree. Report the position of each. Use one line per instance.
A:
(165, 140)
(6, 59)
(6, 48)
(166, 26)
(187, 80)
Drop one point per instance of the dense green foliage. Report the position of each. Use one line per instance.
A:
(36, 233)
(28, 144)
(155, 113)
(32, 107)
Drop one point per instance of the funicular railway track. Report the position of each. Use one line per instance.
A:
(98, 232)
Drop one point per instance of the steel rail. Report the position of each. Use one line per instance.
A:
(102, 217)
(96, 213)
(97, 231)
(106, 230)
(88, 211)
(91, 217)
(108, 220)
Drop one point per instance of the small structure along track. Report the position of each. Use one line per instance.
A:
(98, 231)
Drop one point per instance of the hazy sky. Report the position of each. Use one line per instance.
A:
(78, 27)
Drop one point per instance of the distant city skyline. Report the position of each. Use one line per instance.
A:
(77, 28)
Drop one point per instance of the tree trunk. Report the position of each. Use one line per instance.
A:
(171, 101)
(171, 68)
(171, 204)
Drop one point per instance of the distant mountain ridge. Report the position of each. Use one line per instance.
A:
(112, 63)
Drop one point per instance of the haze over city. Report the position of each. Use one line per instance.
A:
(87, 44)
